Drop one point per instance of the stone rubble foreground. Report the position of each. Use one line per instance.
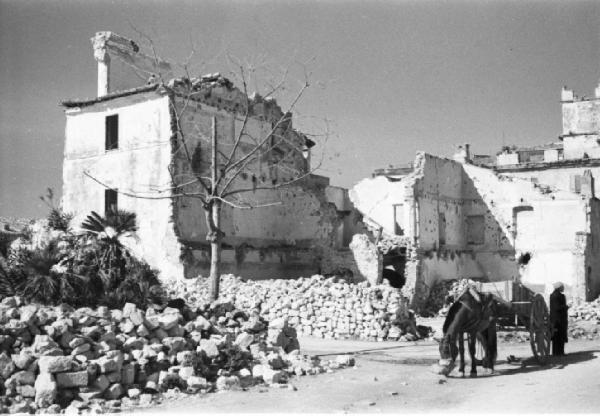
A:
(98, 360)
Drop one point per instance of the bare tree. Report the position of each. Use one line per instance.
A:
(246, 167)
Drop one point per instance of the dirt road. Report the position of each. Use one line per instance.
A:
(395, 377)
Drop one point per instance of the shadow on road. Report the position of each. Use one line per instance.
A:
(557, 363)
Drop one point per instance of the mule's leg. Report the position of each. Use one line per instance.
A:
(472, 342)
(461, 350)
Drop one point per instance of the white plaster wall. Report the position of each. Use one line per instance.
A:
(548, 232)
(556, 178)
(575, 147)
(581, 117)
(507, 159)
(375, 199)
(138, 166)
(439, 191)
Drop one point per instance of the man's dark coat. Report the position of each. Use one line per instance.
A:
(558, 316)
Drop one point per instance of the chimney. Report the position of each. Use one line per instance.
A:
(122, 66)
(587, 184)
(103, 58)
(566, 94)
(463, 153)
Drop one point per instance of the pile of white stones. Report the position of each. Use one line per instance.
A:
(98, 360)
(587, 311)
(317, 306)
(584, 320)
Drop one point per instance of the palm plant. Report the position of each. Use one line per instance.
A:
(47, 279)
(108, 232)
(57, 218)
(10, 283)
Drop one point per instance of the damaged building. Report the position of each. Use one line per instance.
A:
(530, 215)
(123, 149)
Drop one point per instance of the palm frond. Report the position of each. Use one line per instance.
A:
(94, 223)
(41, 288)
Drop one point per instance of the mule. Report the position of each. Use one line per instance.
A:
(472, 314)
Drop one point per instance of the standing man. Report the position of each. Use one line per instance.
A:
(558, 319)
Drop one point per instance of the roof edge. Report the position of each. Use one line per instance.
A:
(124, 93)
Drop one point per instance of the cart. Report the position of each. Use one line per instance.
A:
(528, 310)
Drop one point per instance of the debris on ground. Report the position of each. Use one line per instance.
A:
(584, 320)
(318, 306)
(103, 360)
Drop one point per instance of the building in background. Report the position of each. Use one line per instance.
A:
(530, 216)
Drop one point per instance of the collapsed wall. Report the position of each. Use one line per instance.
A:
(463, 221)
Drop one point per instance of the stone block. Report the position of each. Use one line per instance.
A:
(109, 364)
(23, 359)
(186, 372)
(26, 391)
(273, 376)
(46, 389)
(137, 318)
(73, 379)
(133, 393)
(244, 340)
(101, 383)
(209, 347)
(55, 364)
(168, 320)
(83, 348)
(24, 377)
(114, 377)
(186, 358)
(7, 367)
(196, 382)
(175, 344)
(114, 392)
(128, 309)
(128, 374)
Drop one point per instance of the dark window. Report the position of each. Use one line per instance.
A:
(442, 229)
(398, 219)
(110, 201)
(475, 229)
(112, 132)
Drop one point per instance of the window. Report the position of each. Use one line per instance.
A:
(398, 219)
(110, 201)
(475, 229)
(442, 229)
(112, 132)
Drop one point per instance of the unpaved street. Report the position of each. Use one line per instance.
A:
(396, 377)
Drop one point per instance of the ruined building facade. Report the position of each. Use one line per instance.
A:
(123, 149)
(530, 216)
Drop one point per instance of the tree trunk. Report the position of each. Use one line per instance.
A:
(213, 219)
(214, 236)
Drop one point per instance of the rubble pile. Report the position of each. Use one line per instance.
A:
(586, 311)
(100, 359)
(584, 320)
(318, 306)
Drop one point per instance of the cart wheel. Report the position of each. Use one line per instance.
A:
(539, 329)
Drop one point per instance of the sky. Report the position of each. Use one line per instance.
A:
(391, 77)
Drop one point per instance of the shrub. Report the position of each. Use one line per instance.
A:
(86, 270)
(57, 218)
(9, 280)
